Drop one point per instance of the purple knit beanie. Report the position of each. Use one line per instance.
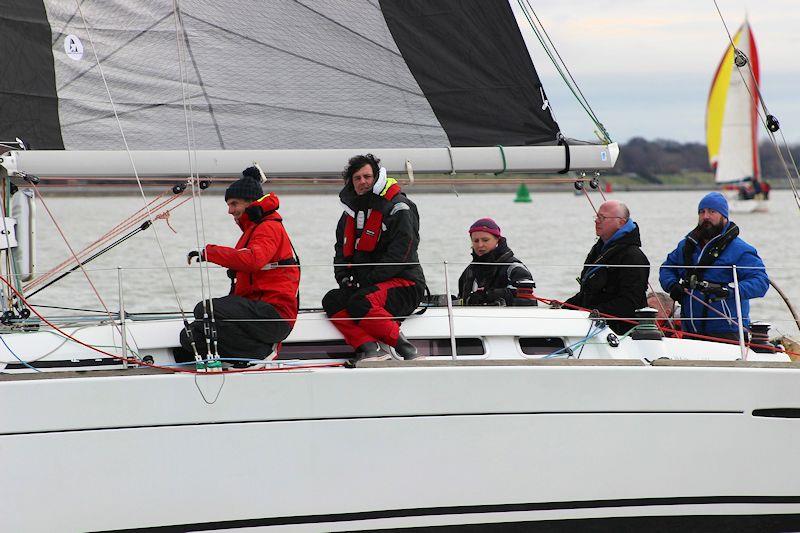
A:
(485, 224)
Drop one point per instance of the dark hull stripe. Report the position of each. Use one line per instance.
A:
(604, 524)
(28, 100)
(650, 524)
(387, 417)
(470, 55)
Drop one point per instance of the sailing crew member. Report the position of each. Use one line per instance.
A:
(614, 290)
(665, 311)
(265, 273)
(495, 276)
(708, 303)
(380, 229)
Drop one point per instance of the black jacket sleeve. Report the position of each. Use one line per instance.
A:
(340, 272)
(463, 290)
(516, 272)
(631, 286)
(577, 299)
(401, 236)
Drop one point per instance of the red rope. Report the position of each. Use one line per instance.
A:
(586, 194)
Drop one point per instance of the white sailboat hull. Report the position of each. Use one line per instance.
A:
(749, 206)
(366, 448)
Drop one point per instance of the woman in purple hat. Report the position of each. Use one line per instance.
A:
(495, 276)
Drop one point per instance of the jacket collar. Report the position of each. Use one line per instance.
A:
(351, 202)
(628, 232)
(265, 208)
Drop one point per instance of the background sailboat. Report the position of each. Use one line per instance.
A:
(732, 124)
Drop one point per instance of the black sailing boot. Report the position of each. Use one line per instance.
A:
(405, 349)
(370, 351)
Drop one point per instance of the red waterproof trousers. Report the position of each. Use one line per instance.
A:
(370, 314)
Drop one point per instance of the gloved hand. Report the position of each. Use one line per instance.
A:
(484, 297)
(556, 305)
(716, 291)
(348, 282)
(195, 256)
(676, 291)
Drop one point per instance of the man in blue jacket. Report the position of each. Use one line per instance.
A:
(706, 295)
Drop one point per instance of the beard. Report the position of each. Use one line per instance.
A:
(707, 231)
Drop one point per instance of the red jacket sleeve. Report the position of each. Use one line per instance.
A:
(261, 250)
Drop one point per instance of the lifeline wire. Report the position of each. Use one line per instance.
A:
(118, 357)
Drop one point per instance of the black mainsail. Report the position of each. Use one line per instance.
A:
(284, 75)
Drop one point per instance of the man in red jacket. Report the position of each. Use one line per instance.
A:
(262, 306)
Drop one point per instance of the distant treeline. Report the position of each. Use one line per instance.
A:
(650, 159)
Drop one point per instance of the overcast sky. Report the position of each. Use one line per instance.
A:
(646, 65)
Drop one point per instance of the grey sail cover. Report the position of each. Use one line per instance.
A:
(269, 75)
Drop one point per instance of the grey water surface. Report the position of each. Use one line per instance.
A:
(551, 235)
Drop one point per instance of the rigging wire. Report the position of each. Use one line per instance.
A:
(69, 246)
(758, 97)
(126, 225)
(209, 320)
(133, 163)
(560, 66)
(566, 69)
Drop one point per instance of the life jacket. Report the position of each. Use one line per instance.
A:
(711, 252)
(371, 232)
(275, 282)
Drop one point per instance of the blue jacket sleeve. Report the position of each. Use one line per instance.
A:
(753, 282)
(667, 274)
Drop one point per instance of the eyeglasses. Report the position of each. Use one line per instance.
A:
(603, 218)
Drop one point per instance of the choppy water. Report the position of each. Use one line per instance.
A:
(552, 235)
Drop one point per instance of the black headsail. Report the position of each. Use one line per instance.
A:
(470, 60)
(28, 102)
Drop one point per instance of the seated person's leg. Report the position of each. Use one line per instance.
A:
(185, 353)
(247, 328)
(337, 304)
(389, 299)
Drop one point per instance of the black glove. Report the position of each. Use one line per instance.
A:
(195, 256)
(484, 297)
(676, 291)
(348, 282)
(715, 291)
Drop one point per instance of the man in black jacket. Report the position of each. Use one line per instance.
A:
(379, 229)
(617, 291)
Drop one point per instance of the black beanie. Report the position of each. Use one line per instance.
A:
(246, 188)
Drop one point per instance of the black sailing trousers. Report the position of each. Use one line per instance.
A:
(246, 329)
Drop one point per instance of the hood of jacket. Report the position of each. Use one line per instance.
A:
(627, 234)
(265, 208)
